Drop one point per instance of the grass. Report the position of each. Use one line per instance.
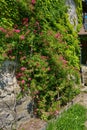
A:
(73, 119)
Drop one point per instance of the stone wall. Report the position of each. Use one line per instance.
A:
(72, 12)
(13, 111)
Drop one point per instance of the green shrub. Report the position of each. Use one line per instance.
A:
(47, 51)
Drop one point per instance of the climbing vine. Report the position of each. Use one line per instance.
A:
(46, 48)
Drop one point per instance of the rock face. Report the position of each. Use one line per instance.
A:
(72, 12)
(13, 112)
(84, 74)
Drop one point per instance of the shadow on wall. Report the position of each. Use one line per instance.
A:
(30, 108)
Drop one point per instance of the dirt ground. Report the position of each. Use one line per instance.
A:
(33, 124)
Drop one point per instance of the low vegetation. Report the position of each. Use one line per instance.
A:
(73, 119)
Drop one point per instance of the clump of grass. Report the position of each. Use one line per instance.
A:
(72, 119)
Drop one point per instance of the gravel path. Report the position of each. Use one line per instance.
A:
(83, 99)
(33, 124)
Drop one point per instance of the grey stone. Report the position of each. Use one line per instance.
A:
(13, 112)
(73, 18)
(10, 117)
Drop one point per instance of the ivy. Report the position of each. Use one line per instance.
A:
(39, 35)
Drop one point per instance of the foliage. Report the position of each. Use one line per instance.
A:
(47, 51)
(73, 119)
(11, 12)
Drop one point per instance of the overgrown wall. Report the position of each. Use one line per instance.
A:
(45, 45)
